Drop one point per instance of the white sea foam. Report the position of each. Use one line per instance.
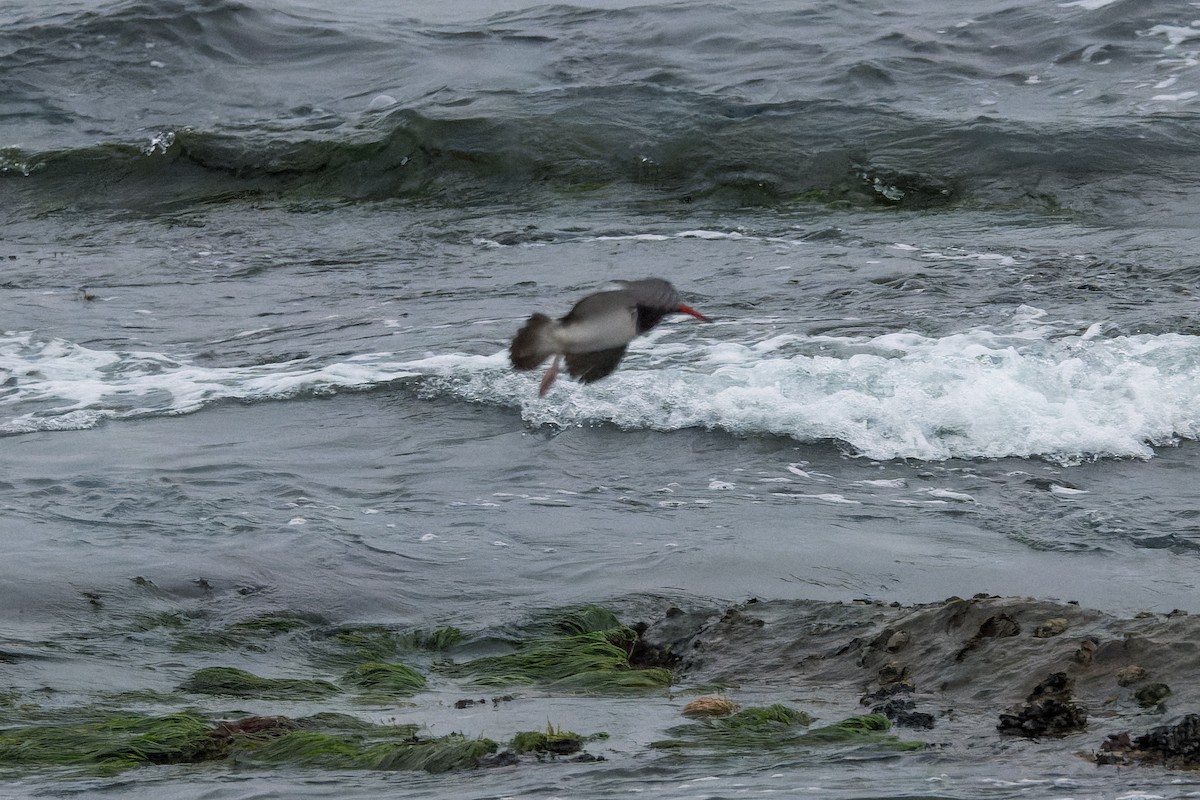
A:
(51, 384)
(976, 394)
(1090, 5)
(1176, 34)
(659, 237)
(886, 483)
(1029, 391)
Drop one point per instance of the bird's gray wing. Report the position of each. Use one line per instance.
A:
(653, 292)
(590, 367)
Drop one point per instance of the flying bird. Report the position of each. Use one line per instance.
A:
(592, 337)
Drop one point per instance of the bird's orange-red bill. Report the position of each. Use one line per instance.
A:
(686, 309)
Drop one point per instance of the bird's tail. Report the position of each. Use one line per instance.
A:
(533, 343)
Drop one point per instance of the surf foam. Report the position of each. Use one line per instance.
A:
(53, 384)
(980, 394)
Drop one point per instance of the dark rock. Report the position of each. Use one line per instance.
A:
(265, 726)
(887, 692)
(734, 616)
(1130, 675)
(1048, 711)
(892, 673)
(1176, 746)
(646, 656)
(1058, 685)
(1152, 695)
(505, 758)
(1086, 652)
(1049, 484)
(902, 713)
(1051, 628)
(563, 746)
(999, 626)
(1047, 717)
(678, 633)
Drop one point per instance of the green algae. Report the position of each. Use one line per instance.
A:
(332, 751)
(552, 740)
(588, 662)
(377, 679)
(584, 650)
(272, 624)
(208, 642)
(440, 755)
(357, 645)
(337, 722)
(585, 619)
(233, 682)
(851, 729)
(111, 744)
(251, 633)
(779, 726)
(751, 728)
(331, 741)
(172, 620)
(437, 640)
(368, 643)
(139, 697)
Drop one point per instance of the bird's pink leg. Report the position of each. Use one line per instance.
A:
(548, 378)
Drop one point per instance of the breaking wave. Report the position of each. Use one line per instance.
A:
(976, 394)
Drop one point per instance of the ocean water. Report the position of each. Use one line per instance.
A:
(260, 262)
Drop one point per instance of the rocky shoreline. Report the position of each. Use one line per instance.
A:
(962, 676)
(1024, 668)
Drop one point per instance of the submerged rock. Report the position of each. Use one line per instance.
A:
(1176, 746)
(551, 741)
(583, 651)
(1049, 711)
(505, 758)
(894, 701)
(385, 680)
(234, 682)
(1000, 626)
(255, 726)
(1130, 675)
(1152, 695)
(709, 707)
(759, 729)
(1051, 628)
(467, 702)
(903, 714)
(119, 742)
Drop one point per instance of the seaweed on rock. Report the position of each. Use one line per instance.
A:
(233, 682)
(110, 745)
(309, 748)
(332, 741)
(777, 726)
(378, 680)
(248, 633)
(586, 651)
(362, 643)
(552, 741)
